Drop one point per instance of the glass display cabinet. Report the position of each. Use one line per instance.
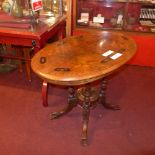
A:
(27, 31)
(128, 15)
(20, 11)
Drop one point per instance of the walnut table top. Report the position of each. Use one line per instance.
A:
(83, 59)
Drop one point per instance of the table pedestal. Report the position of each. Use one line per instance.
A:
(87, 97)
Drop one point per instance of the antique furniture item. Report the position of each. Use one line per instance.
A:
(79, 61)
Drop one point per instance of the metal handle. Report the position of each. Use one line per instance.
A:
(62, 69)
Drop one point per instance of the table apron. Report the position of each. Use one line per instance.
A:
(18, 41)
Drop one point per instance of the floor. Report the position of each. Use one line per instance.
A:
(27, 130)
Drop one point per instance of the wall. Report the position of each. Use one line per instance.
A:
(145, 55)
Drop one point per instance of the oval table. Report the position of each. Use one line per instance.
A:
(79, 61)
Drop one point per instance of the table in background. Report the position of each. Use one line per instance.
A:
(18, 33)
(79, 61)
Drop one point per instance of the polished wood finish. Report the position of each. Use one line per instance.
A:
(85, 115)
(78, 60)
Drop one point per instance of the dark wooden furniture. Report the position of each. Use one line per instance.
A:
(21, 33)
(79, 61)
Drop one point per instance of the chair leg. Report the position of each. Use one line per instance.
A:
(44, 93)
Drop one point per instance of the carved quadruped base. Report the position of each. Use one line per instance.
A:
(87, 97)
(64, 111)
(72, 102)
(93, 94)
(87, 92)
(102, 97)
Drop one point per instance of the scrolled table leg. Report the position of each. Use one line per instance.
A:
(72, 102)
(102, 97)
(85, 115)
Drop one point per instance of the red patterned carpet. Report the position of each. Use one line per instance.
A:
(25, 128)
